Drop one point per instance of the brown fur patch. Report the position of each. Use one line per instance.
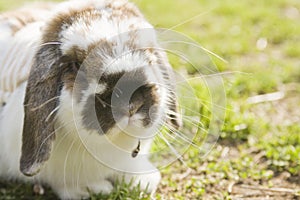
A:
(64, 20)
(98, 52)
(132, 43)
(77, 54)
(123, 11)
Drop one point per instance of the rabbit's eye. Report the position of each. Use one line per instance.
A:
(70, 64)
(75, 66)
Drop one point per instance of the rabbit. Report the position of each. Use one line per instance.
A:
(84, 88)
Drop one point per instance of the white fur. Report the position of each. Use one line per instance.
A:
(10, 135)
(22, 46)
(94, 88)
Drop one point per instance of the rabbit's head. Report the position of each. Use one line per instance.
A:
(102, 70)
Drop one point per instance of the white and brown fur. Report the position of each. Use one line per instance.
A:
(56, 67)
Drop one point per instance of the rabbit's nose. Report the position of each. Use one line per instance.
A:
(134, 107)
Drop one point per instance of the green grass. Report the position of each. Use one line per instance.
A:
(259, 144)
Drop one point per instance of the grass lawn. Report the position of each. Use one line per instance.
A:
(257, 155)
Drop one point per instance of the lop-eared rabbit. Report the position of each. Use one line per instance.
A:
(84, 87)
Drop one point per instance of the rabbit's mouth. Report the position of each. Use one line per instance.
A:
(140, 125)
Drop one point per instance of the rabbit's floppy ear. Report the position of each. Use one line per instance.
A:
(41, 100)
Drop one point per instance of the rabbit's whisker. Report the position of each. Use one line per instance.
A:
(121, 92)
(175, 152)
(189, 19)
(104, 104)
(196, 46)
(52, 112)
(172, 113)
(51, 43)
(195, 122)
(182, 137)
(45, 103)
(190, 111)
(62, 138)
(52, 133)
(203, 76)
(206, 102)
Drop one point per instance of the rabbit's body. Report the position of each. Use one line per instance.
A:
(44, 109)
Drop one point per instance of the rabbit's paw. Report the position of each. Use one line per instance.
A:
(148, 182)
(104, 187)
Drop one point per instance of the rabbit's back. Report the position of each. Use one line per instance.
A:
(20, 34)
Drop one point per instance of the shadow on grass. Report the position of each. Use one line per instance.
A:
(18, 190)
